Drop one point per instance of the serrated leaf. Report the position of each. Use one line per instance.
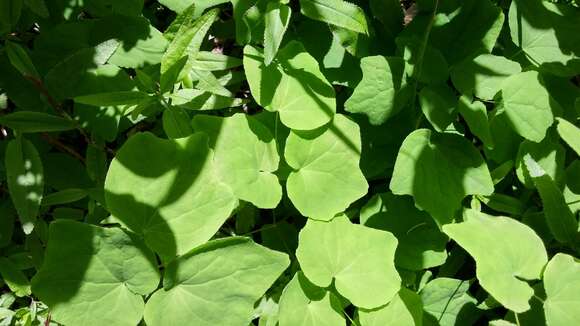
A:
(560, 219)
(383, 90)
(569, 133)
(336, 12)
(277, 19)
(482, 76)
(219, 282)
(112, 269)
(502, 265)
(405, 309)
(158, 188)
(25, 178)
(304, 304)
(326, 177)
(181, 52)
(293, 86)
(439, 170)
(245, 157)
(359, 260)
(30, 121)
(562, 284)
(527, 105)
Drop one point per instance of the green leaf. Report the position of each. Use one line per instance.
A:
(25, 178)
(561, 221)
(176, 122)
(502, 265)
(218, 282)
(206, 81)
(382, 92)
(194, 99)
(6, 222)
(562, 286)
(245, 157)
(14, 278)
(438, 103)
(113, 98)
(430, 68)
(214, 61)
(405, 309)
(277, 20)
(326, 177)
(527, 105)
(304, 304)
(545, 33)
(30, 121)
(9, 14)
(569, 133)
(421, 243)
(182, 51)
(38, 7)
(336, 12)
(475, 114)
(549, 154)
(148, 48)
(359, 260)
(293, 86)
(439, 170)
(483, 75)
(446, 301)
(64, 197)
(109, 270)
(20, 60)
(158, 188)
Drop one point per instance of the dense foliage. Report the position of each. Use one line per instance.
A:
(289, 162)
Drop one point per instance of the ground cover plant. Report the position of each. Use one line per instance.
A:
(289, 162)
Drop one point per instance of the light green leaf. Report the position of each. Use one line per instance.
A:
(447, 302)
(182, 51)
(12, 276)
(147, 50)
(113, 98)
(421, 243)
(336, 12)
(544, 31)
(20, 60)
(245, 157)
(562, 285)
(405, 309)
(176, 122)
(217, 283)
(326, 177)
(194, 99)
(439, 170)
(482, 76)
(549, 154)
(304, 304)
(293, 86)
(475, 114)
(438, 103)
(30, 121)
(210, 61)
(277, 19)
(168, 191)
(206, 81)
(527, 105)
(359, 259)
(561, 221)
(25, 178)
(103, 279)
(383, 90)
(570, 134)
(502, 264)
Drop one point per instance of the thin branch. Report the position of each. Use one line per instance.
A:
(63, 147)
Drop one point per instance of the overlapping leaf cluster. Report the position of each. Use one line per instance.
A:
(291, 163)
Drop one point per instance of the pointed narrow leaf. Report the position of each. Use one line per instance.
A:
(277, 21)
(569, 133)
(113, 98)
(25, 177)
(20, 60)
(30, 121)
